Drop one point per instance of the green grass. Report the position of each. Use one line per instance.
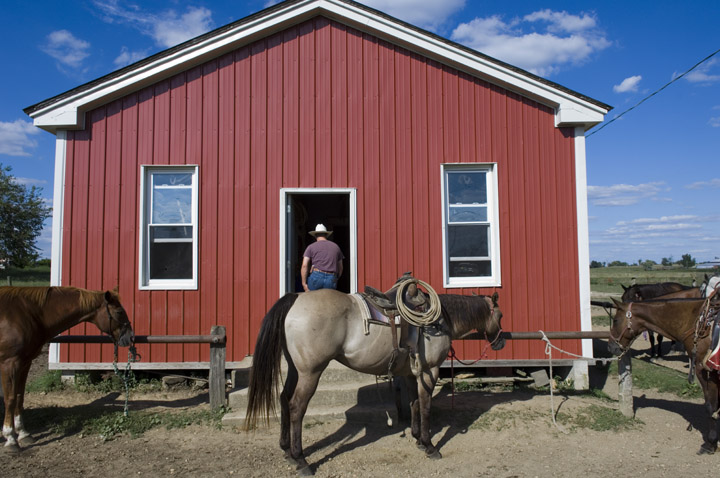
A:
(648, 376)
(598, 418)
(610, 279)
(29, 276)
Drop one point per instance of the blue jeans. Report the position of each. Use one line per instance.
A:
(322, 280)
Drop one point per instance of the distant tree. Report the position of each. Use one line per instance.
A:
(618, 264)
(648, 264)
(596, 264)
(687, 261)
(22, 213)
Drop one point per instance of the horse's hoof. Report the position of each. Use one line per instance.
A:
(434, 455)
(706, 449)
(290, 459)
(26, 440)
(12, 449)
(420, 446)
(305, 471)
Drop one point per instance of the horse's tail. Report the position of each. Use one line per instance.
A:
(265, 373)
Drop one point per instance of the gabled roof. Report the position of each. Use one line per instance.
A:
(67, 110)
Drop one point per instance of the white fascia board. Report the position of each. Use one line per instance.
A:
(583, 238)
(69, 112)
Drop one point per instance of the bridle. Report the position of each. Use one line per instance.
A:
(500, 330)
(628, 315)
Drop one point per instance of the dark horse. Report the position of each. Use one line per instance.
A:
(677, 319)
(639, 292)
(313, 328)
(29, 318)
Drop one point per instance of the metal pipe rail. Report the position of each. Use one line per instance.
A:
(217, 340)
(595, 334)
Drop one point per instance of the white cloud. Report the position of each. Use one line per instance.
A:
(714, 121)
(702, 74)
(713, 183)
(127, 57)
(541, 42)
(624, 194)
(15, 137)
(428, 14)
(30, 181)
(66, 48)
(628, 84)
(167, 28)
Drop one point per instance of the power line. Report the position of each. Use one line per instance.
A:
(655, 92)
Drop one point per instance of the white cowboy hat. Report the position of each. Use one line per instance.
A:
(320, 229)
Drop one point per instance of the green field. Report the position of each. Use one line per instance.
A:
(29, 276)
(610, 279)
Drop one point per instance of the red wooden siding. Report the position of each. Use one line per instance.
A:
(319, 105)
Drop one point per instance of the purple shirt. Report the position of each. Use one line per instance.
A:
(324, 255)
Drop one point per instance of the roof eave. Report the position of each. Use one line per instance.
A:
(66, 111)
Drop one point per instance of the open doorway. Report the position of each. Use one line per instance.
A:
(303, 210)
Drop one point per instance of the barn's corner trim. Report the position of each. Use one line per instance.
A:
(583, 237)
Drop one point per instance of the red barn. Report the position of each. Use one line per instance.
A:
(191, 178)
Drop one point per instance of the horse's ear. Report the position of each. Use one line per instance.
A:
(616, 302)
(108, 296)
(624, 288)
(116, 289)
(495, 298)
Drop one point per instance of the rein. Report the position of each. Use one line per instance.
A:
(624, 348)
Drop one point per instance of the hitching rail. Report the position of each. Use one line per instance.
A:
(217, 340)
(625, 392)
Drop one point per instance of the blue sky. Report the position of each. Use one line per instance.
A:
(653, 175)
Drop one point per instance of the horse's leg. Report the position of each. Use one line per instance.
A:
(426, 385)
(24, 438)
(659, 345)
(8, 372)
(412, 390)
(709, 383)
(651, 336)
(285, 396)
(305, 389)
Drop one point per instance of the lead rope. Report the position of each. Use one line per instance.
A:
(548, 352)
(126, 376)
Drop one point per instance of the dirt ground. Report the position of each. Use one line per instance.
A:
(499, 433)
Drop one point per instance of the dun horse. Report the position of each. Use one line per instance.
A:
(679, 320)
(29, 318)
(313, 328)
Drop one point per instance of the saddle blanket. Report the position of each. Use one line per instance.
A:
(372, 315)
(712, 358)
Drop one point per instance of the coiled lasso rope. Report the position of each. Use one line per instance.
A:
(418, 319)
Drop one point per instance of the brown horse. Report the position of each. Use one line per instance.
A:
(313, 328)
(666, 290)
(677, 319)
(29, 318)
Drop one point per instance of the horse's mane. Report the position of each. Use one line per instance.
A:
(464, 312)
(86, 299)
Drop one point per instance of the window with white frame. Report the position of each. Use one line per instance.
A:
(470, 225)
(169, 227)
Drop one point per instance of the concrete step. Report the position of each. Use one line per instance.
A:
(377, 414)
(343, 394)
(335, 372)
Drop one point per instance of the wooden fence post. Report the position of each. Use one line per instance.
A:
(625, 390)
(217, 368)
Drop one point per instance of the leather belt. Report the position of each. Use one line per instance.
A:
(315, 269)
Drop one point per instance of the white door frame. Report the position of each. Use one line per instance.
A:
(350, 256)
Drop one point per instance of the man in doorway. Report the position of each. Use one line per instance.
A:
(322, 262)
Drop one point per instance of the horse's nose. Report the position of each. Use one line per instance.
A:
(499, 344)
(614, 348)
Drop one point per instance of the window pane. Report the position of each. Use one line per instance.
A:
(468, 241)
(468, 214)
(172, 206)
(172, 179)
(468, 187)
(470, 269)
(171, 260)
(171, 233)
